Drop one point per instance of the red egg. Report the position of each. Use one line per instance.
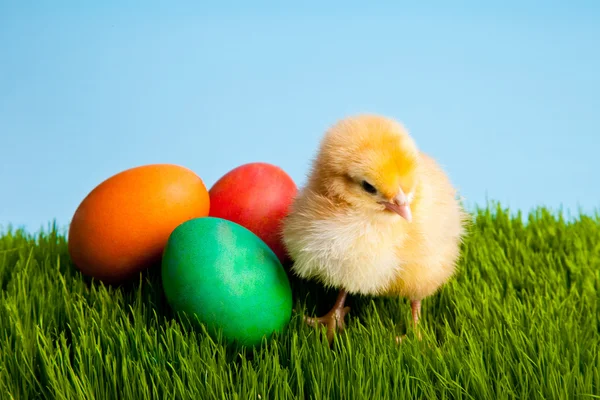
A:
(257, 196)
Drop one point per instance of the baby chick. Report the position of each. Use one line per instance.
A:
(376, 217)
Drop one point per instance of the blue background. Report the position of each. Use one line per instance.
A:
(505, 95)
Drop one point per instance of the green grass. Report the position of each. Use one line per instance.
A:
(520, 321)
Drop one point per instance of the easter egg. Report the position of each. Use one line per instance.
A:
(257, 196)
(121, 227)
(222, 275)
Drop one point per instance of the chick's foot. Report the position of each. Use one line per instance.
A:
(415, 306)
(334, 319)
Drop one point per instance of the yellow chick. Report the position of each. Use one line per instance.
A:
(376, 217)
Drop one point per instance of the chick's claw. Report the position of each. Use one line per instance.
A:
(334, 319)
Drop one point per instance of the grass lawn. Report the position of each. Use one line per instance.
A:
(520, 321)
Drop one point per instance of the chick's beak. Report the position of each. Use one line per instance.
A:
(400, 206)
(403, 209)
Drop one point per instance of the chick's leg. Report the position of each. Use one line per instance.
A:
(415, 307)
(334, 319)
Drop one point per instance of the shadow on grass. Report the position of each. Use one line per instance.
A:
(312, 299)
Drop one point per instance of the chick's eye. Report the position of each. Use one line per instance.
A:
(368, 187)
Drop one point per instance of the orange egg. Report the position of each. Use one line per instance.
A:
(123, 224)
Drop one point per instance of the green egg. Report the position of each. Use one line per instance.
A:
(228, 277)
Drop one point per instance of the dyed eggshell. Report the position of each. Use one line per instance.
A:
(227, 277)
(121, 227)
(256, 196)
